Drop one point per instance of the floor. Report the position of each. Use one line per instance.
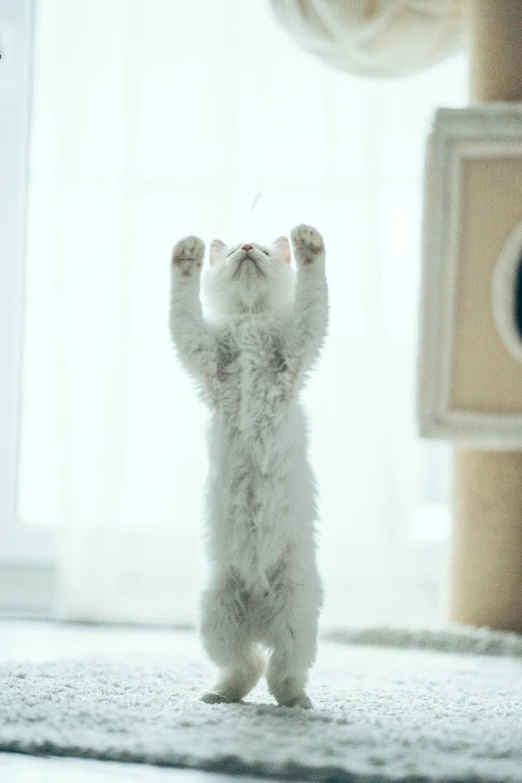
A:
(24, 640)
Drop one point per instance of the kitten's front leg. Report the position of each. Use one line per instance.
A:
(310, 317)
(191, 335)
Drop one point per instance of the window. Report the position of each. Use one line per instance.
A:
(152, 120)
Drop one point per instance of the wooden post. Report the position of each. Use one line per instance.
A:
(487, 530)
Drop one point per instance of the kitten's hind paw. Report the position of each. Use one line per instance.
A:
(308, 244)
(213, 697)
(187, 256)
(301, 700)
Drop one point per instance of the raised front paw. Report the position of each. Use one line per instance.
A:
(187, 256)
(308, 244)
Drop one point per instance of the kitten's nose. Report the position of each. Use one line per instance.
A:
(247, 247)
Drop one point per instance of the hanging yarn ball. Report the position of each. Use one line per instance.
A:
(375, 37)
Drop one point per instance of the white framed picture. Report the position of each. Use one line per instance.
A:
(470, 346)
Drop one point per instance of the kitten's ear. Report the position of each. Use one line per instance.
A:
(281, 248)
(216, 249)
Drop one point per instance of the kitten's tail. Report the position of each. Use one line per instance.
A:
(258, 661)
(237, 681)
(256, 664)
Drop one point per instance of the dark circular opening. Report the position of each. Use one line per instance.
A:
(518, 298)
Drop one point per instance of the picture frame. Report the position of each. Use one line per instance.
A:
(469, 378)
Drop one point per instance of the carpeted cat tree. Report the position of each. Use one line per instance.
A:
(470, 355)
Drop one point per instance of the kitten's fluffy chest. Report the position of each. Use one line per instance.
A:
(251, 371)
(253, 452)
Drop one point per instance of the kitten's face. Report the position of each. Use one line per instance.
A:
(249, 278)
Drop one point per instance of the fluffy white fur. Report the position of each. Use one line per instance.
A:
(250, 353)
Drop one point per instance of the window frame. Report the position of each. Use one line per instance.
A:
(26, 551)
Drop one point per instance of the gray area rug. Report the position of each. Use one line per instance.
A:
(389, 707)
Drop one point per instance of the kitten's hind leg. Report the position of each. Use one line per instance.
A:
(293, 639)
(227, 641)
(238, 679)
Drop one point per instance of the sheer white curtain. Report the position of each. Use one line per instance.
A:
(153, 119)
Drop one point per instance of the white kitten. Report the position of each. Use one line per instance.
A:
(263, 331)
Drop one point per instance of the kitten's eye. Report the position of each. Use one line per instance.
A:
(266, 252)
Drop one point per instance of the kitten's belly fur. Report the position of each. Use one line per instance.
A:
(260, 500)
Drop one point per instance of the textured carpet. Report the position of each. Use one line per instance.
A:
(383, 713)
